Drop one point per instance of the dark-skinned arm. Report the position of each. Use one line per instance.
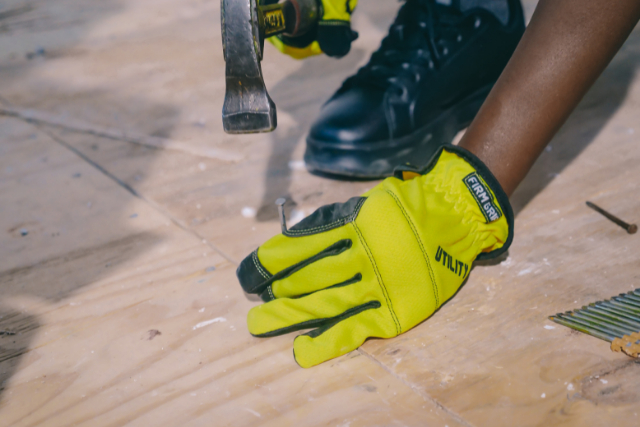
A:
(566, 46)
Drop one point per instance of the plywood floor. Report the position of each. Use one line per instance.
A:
(124, 211)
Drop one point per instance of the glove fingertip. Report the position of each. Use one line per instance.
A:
(256, 321)
(252, 322)
(303, 352)
(310, 351)
(252, 274)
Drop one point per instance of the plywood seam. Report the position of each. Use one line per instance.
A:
(132, 191)
(425, 396)
(44, 118)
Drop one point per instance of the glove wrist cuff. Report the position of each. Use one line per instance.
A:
(408, 172)
(501, 197)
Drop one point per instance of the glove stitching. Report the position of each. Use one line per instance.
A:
(339, 222)
(256, 261)
(494, 185)
(446, 187)
(335, 249)
(322, 324)
(269, 288)
(434, 285)
(353, 280)
(380, 281)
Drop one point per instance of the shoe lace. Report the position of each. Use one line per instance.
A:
(422, 35)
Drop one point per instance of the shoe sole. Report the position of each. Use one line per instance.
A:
(378, 159)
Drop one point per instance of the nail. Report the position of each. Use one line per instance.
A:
(624, 307)
(584, 329)
(614, 305)
(616, 318)
(603, 321)
(630, 303)
(593, 325)
(628, 317)
(631, 228)
(622, 303)
(631, 297)
(283, 221)
(618, 308)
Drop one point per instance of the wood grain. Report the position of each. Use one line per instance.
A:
(82, 290)
(131, 229)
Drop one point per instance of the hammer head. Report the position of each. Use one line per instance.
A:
(247, 105)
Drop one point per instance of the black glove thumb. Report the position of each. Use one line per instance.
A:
(335, 37)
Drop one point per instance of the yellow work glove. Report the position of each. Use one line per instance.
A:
(379, 264)
(332, 36)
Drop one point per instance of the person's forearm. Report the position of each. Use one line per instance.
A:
(564, 49)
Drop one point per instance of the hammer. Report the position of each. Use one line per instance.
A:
(245, 24)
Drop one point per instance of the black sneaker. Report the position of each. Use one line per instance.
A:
(425, 83)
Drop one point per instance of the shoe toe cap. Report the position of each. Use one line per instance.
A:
(355, 116)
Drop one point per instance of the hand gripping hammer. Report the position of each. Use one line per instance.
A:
(245, 24)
